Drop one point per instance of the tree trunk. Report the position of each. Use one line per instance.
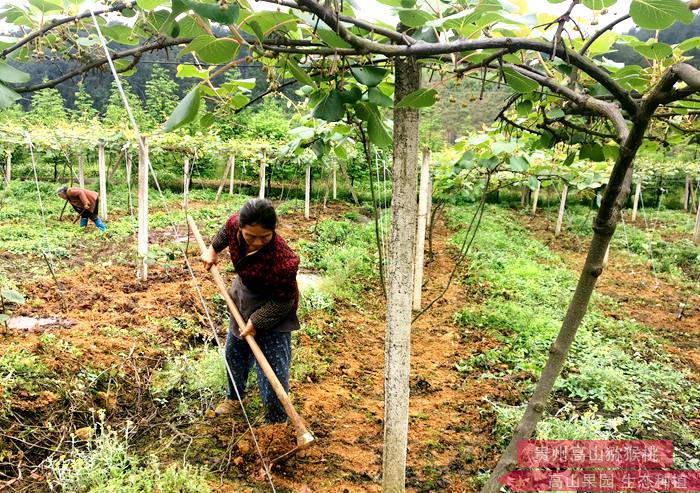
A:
(186, 182)
(397, 347)
(524, 196)
(103, 181)
(114, 167)
(562, 208)
(604, 226)
(307, 192)
(423, 208)
(224, 176)
(327, 191)
(686, 194)
(261, 193)
(232, 165)
(349, 183)
(81, 170)
(8, 168)
(335, 182)
(143, 210)
(637, 194)
(536, 198)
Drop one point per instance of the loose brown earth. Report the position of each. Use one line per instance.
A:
(450, 440)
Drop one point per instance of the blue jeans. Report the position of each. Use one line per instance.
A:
(277, 348)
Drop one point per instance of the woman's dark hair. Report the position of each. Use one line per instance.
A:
(258, 211)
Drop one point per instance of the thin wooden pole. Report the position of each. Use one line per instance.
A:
(232, 165)
(223, 179)
(129, 164)
(143, 210)
(696, 230)
(307, 192)
(686, 195)
(637, 194)
(102, 169)
(81, 170)
(420, 229)
(536, 198)
(186, 182)
(562, 208)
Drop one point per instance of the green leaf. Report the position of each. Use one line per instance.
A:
(421, 98)
(211, 49)
(207, 120)
(555, 113)
(214, 12)
(659, 14)
(599, 4)
(186, 111)
(350, 96)
(654, 50)
(189, 28)
(591, 151)
(261, 23)
(532, 182)
(299, 73)
(7, 96)
(340, 152)
(121, 34)
(500, 147)
(376, 130)
(518, 82)
(46, 6)
(524, 107)
(689, 44)
(10, 74)
(399, 3)
(415, 17)
(375, 96)
(519, 164)
(331, 108)
(319, 148)
(569, 159)
(332, 39)
(150, 4)
(12, 296)
(184, 70)
(632, 77)
(369, 76)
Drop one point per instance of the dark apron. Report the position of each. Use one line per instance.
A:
(248, 301)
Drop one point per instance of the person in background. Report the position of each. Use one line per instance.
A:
(85, 202)
(266, 293)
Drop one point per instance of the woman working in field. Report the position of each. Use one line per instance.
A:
(266, 293)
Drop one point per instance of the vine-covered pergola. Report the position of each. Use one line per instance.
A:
(355, 69)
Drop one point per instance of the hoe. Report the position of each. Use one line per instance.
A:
(304, 437)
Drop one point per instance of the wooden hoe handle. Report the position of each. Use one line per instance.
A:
(304, 438)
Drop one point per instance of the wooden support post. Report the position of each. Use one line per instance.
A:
(536, 198)
(261, 193)
(307, 192)
(562, 208)
(637, 194)
(335, 182)
(423, 208)
(81, 170)
(8, 168)
(686, 194)
(102, 169)
(186, 182)
(143, 210)
(224, 176)
(232, 166)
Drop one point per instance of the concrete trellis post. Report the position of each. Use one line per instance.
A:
(335, 182)
(8, 167)
(536, 197)
(143, 210)
(102, 169)
(307, 192)
(232, 166)
(423, 209)
(637, 194)
(81, 170)
(261, 193)
(562, 208)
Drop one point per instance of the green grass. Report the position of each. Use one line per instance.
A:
(617, 379)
